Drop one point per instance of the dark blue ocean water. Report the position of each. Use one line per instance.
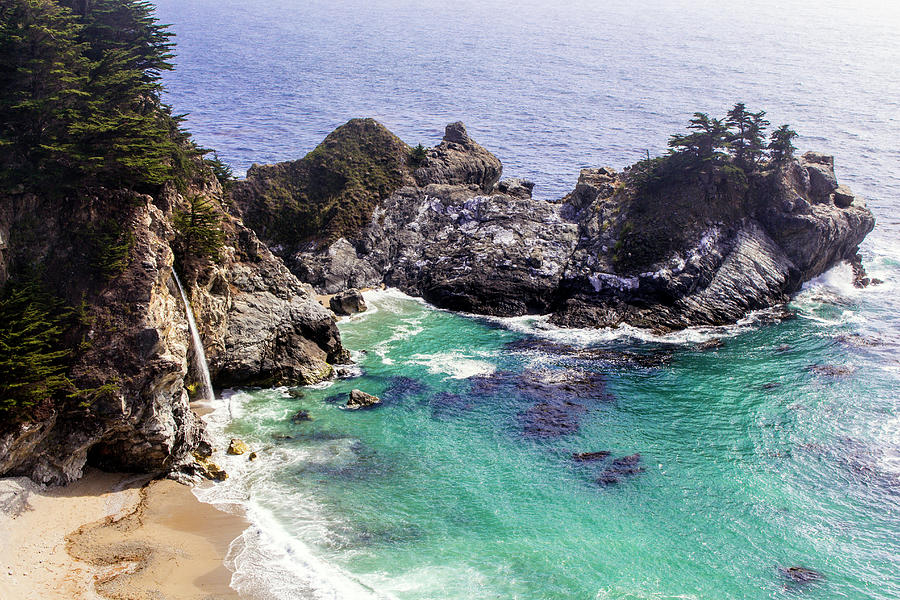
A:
(424, 500)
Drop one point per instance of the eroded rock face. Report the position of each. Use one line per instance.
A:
(705, 250)
(459, 160)
(261, 325)
(138, 418)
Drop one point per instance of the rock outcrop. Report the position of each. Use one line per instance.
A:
(360, 400)
(260, 324)
(132, 357)
(703, 249)
(348, 302)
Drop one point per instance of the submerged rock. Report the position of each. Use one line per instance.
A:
(445, 405)
(621, 468)
(832, 370)
(359, 400)
(348, 302)
(590, 456)
(301, 416)
(552, 419)
(800, 574)
(711, 344)
(402, 386)
(619, 358)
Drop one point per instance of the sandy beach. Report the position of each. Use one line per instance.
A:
(112, 536)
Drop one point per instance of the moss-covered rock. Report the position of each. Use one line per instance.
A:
(329, 193)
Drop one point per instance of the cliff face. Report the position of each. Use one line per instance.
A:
(132, 357)
(705, 251)
(702, 250)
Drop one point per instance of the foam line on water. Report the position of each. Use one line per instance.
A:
(455, 364)
(266, 561)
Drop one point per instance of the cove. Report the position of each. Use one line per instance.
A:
(744, 467)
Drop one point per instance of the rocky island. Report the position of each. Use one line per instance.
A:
(665, 244)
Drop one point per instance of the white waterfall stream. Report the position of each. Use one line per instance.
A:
(206, 390)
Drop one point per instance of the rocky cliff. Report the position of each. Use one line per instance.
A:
(701, 249)
(131, 358)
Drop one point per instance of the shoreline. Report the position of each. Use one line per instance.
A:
(113, 535)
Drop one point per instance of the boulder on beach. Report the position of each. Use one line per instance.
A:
(348, 302)
(359, 399)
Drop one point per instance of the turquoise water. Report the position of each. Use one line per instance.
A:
(776, 449)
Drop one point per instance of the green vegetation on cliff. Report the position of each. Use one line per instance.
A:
(199, 228)
(80, 96)
(33, 361)
(331, 192)
(734, 145)
(703, 180)
(83, 134)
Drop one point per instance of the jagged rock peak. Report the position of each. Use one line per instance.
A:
(456, 133)
(459, 160)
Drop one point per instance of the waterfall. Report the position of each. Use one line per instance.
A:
(205, 381)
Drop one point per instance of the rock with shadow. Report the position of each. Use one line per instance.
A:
(799, 575)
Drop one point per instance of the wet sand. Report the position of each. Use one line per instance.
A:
(112, 536)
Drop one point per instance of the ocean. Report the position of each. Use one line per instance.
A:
(778, 448)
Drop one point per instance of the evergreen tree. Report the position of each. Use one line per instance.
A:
(42, 78)
(80, 95)
(780, 147)
(739, 118)
(417, 155)
(32, 361)
(708, 138)
(200, 228)
(221, 170)
(126, 136)
(756, 141)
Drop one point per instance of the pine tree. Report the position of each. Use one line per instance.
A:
(200, 228)
(739, 118)
(126, 136)
(221, 170)
(708, 138)
(780, 147)
(80, 95)
(32, 358)
(42, 78)
(756, 141)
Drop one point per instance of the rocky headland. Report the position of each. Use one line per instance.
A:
(701, 247)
